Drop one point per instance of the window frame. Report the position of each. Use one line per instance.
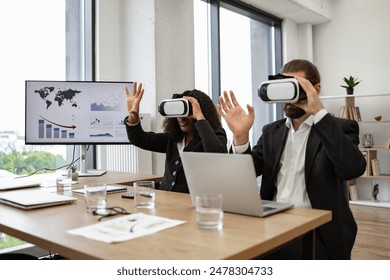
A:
(214, 29)
(80, 55)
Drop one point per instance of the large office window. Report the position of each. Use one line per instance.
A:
(40, 40)
(236, 48)
(33, 47)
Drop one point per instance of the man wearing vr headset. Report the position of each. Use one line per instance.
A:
(304, 159)
(200, 132)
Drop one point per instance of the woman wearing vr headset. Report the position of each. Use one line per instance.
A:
(200, 132)
(304, 159)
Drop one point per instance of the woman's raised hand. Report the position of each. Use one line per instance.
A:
(133, 100)
(237, 119)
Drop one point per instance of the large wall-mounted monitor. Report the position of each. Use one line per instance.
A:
(64, 112)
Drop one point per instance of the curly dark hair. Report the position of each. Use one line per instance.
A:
(171, 126)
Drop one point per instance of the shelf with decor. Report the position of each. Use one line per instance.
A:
(374, 177)
(373, 188)
(375, 122)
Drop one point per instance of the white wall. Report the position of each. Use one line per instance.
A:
(174, 54)
(126, 52)
(150, 42)
(356, 42)
(297, 40)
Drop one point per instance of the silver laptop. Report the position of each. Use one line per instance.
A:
(10, 183)
(32, 199)
(233, 176)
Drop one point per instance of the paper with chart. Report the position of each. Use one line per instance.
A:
(125, 228)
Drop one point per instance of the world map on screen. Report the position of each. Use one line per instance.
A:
(50, 95)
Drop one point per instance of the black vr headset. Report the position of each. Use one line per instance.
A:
(281, 89)
(175, 108)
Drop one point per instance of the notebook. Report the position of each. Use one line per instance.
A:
(8, 183)
(110, 189)
(32, 199)
(233, 176)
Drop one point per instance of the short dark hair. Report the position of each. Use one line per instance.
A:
(298, 65)
(171, 126)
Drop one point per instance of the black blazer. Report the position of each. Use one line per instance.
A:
(332, 156)
(174, 179)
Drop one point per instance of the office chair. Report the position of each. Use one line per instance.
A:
(17, 256)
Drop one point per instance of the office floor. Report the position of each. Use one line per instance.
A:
(373, 239)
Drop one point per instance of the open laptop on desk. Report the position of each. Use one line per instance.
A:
(32, 199)
(14, 183)
(233, 176)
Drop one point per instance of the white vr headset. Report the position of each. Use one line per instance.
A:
(175, 108)
(281, 89)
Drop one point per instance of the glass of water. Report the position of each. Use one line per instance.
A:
(209, 214)
(95, 197)
(64, 182)
(144, 194)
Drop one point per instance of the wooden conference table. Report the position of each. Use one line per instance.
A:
(242, 237)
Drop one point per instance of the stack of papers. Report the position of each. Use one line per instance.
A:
(125, 228)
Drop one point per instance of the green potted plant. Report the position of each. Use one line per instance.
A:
(350, 83)
(75, 174)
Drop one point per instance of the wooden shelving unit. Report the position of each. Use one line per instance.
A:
(375, 152)
(382, 176)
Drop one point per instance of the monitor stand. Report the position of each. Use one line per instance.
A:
(84, 172)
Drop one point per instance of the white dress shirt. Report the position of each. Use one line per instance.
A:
(290, 181)
(291, 176)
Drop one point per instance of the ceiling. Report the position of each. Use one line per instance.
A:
(299, 11)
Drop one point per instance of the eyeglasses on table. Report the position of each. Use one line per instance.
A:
(109, 211)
